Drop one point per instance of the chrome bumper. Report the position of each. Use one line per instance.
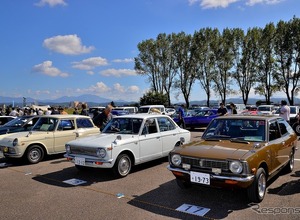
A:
(218, 177)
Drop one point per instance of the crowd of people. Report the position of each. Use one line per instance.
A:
(100, 119)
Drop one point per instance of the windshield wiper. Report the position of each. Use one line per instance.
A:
(216, 137)
(237, 140)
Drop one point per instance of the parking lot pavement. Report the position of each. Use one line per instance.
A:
(49, 190)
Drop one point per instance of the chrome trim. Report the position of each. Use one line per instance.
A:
(212, 176)
(88, 160)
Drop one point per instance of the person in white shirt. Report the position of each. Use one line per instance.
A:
(285, 111)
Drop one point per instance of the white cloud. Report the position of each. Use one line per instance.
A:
(119, 88)
(268, 2)
(99, 88)
(67, 44)
(225, 3)
(118, 72)
(213, 3)
(46, 68)
(126, 60)
(133, 89)
(90, 63)
(51, 3)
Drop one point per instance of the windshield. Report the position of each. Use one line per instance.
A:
(236, 129)
(144, 110)
(123, 126)
(45, 124)
(17, 122)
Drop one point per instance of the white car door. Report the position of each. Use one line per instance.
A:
(169, 134)
(65, 132)
(150, 141)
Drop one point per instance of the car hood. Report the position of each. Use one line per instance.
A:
(218, 150)
(103, 140)
(20, 135)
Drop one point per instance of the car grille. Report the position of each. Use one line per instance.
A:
(84, 151)
(206, 163)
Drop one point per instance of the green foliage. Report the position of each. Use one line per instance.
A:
(154, 98)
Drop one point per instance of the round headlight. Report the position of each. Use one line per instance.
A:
(68, 148)
(236, 167)
(176, 159)
(101, 152)
(15, 142)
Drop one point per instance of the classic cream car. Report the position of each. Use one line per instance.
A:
(236, 151)
(48, 136)
(126, 141)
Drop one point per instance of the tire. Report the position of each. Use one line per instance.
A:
(296, 127)
(290, 166)
(256, 192)
(183, 184)
(122, 166)
(34, 154)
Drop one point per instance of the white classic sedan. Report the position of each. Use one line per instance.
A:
(126, 141)
(48, 136)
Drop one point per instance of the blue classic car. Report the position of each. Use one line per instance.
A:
(200, 119)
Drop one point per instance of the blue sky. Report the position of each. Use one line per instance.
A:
(54, 48)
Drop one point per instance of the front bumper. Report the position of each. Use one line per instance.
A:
(90, 162)
(217, 180)
(11, 152)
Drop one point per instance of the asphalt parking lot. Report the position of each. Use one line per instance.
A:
(55, 189)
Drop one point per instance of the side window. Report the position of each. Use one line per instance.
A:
(66, 125)
(283, 127)
(165, 124)
(273, 131)
(84, 123)
(150, 126)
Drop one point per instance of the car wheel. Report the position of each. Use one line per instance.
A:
(290, 166)
(257, 190)
(296, 128)
(34, 154)
(122, 166)
(183, 184)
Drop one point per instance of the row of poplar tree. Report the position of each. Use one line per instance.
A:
(266, 60)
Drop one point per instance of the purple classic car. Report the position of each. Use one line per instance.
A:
(200, 119)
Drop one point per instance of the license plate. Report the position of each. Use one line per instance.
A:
(80, 161)
(202, 178)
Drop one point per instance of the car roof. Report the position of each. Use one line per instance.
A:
(65, 116)
(142, 116)
(249, 117)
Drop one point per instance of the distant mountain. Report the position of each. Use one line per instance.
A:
(94, 100)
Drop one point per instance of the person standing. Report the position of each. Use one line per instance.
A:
(222, 110)
(233, 109)
(84, 110)
(181, 115)
(285, 111)
(103, 118)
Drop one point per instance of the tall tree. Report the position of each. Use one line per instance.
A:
(266, 64)
(204, 58)
(223, 48)
(167, 63)
(246, 65)
(147, 63)
(184, 50)
(286, 57)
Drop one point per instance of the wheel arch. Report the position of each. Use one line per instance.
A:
(130, 154)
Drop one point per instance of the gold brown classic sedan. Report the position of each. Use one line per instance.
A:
(48, 136)
(236, 151)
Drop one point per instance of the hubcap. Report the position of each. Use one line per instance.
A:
(34, 155)
(124, 166)
(261, 185)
